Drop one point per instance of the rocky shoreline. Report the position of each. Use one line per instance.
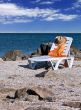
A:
(14, 55)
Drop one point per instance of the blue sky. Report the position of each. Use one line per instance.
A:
(40, 16)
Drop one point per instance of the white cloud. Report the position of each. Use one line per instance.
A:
(61, 17)
(46, 3)
(75, 6)
(13, 10)
(37, 1)
(11, 13)
(10, 20)
(46, 0)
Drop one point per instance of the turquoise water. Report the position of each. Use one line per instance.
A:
(30, 42)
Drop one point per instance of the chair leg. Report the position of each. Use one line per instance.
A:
(52, 64)
(71, 62)
(32, 64)
(66, 63)
(56, 65)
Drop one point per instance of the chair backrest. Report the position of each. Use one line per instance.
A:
(67, 46)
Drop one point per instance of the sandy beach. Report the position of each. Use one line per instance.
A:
(65, 84)
(35, 28)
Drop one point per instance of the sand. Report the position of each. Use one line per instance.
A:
(64, 83)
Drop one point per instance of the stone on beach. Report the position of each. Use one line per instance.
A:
(33, 94)
(15, 55)
(43, 93)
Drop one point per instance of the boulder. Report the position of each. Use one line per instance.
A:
(32, 94)
(11, 55)
(45, 48)
(20, 93)
(43, 93)
(76, 52)
(36, 53)
(14, 55)
(42, 50)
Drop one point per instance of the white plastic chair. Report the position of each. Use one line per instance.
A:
(33, 61)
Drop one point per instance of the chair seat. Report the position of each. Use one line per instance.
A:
(47, 58)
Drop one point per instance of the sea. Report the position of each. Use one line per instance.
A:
(29, 42)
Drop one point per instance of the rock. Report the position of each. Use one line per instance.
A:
(39, 51)
(32, 98)
(74, 104)
(43, 93)
(11, 55)
(36, 53)
(77, 53)
(45, 48)
(42, 74)
(14, 55)
(24, 57)
(21, 93)
(33, 94)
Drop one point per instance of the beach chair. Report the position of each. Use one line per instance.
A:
(55, 61)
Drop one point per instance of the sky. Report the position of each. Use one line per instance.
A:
(40, 16)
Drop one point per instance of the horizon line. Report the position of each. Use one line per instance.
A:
(38, 32)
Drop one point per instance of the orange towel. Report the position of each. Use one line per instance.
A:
(58, 52)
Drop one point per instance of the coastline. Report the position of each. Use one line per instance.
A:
(64, 83)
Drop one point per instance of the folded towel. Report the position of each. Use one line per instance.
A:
(58, 52)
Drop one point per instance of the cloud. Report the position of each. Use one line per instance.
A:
(43, 2)
(61, 17)
(11, 13)
(37, 1)
(47, 3)
(10, 20)
(75, 6)
(9, 9)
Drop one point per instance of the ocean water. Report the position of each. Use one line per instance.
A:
(29, 42)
